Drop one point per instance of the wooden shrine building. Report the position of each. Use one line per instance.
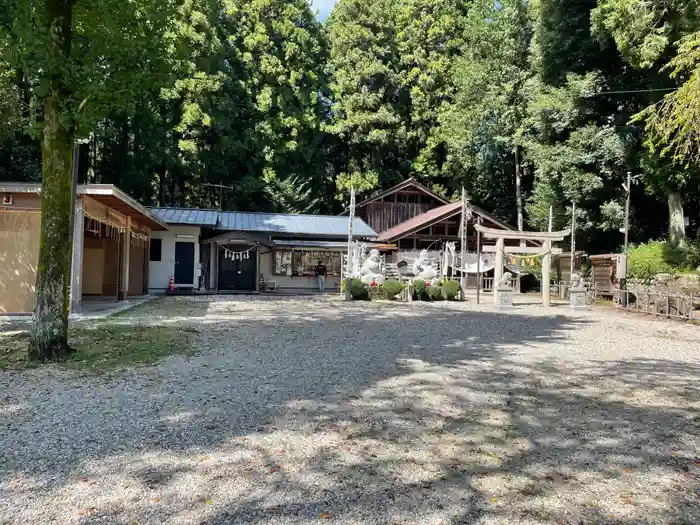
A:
(414, 218)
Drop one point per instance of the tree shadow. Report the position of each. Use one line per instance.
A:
(375, 413)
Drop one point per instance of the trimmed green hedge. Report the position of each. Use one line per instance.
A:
(419, 289)
(390, 289)
(435, 293)
(358, 291)
(451, 289)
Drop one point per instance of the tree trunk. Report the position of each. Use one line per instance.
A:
(49, 334)
(676, 222)
(518, 188)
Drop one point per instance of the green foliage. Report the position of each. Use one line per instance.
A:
(419, 289)
(644, 29)
(480, 125)
(286, 113)
(647, 260)
(358, 291)
(671, 123)
(391, 288)
(435, 293)
(686, 257)
(451, 289)
(654, 257)
(532, 266)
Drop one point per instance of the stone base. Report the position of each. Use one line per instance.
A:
(577, 298)
(504, 299)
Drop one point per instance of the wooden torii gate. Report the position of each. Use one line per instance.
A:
(546, 251)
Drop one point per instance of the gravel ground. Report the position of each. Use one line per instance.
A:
(297, 411)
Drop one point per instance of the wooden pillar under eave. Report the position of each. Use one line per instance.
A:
(257, 268)
(213, 260)
(124, 255)
(546, 269)
(76, 280)
(146, 264)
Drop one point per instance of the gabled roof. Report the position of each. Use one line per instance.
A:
(434, 216)
(402, 186)
(271, 223)
(421, 221)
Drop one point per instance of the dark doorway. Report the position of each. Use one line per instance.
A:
(184, 263)
(237, 274)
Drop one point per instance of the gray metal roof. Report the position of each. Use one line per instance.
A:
(331, 245)
(187, 216)
(271, 223)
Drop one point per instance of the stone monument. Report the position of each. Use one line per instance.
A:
(504, 292)
(577, 291)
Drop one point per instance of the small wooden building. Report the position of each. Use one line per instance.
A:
(111, 239)
(229, 251)
(604, 272)
(561, 266)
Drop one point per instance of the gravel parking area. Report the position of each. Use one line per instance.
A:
(296, 411)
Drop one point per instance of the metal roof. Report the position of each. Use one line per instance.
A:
(332, 245)
(420, 221)
(271, 223)
(187, 216)
(436, 215)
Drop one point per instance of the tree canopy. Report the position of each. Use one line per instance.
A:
(531, 105)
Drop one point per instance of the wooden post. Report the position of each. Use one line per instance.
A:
(478, 264)
(76, 280)
(146, 264)
(546, 268)
(125, 253)
(212, 265)
(498, 269)
(257, 268)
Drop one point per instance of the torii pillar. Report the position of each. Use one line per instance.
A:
(546, 251)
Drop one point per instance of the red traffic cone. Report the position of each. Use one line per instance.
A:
(171, 288)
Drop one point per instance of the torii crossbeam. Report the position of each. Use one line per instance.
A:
(546, 238)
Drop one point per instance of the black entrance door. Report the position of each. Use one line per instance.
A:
(184, 263)
(237, 274)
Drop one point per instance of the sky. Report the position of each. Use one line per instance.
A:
(324, 7)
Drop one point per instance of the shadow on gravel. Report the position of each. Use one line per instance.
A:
(389, 415)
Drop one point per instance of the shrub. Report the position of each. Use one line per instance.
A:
(358, 291)
(435, 293)
(419, 289)
(685, 258)
(391, 288)
(646, 260)
(451, 289)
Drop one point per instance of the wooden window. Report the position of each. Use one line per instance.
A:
(156, 250)
(303, 263)
(282, 263)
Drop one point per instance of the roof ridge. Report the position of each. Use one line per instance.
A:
(184, 208)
